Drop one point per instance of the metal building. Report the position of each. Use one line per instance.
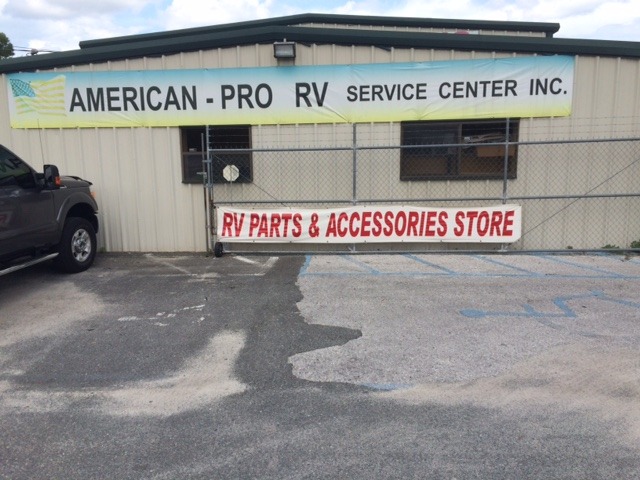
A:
(332, 130)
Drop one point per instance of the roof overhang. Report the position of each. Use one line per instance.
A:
(267, 32)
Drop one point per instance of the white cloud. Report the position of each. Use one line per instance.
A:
(604, 18)
(65, 9)
(62, 24)
(61, 35)
(191, 13)
(615, 19)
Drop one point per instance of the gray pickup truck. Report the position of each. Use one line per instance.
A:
(44, 217)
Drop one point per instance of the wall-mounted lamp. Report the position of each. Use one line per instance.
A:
(284, 49)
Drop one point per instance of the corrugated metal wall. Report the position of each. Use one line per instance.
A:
(137, 171)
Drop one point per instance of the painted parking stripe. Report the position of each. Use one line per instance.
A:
(562, 261)
(509, 266)
(525, 271)
(430, 264)
(362, 265)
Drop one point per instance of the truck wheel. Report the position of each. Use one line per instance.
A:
(77, 247)
(218, 249)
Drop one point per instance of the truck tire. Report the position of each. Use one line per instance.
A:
(77, 247)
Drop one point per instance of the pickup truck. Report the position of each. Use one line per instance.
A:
(44, 217)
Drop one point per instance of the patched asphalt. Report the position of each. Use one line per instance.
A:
(325, 366)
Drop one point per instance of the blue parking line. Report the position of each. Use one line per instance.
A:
(360, 264)
(430, 264)
(441, 271)
(583, 267)
(305, 268)
(562, 304)
(528, 273)
(527, 310)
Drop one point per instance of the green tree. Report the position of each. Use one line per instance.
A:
(6, 47)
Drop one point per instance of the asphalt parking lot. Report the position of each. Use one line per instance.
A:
(323, 366)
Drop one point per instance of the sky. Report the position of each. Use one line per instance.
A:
(59, 25)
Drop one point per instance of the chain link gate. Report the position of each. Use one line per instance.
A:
(580, 195)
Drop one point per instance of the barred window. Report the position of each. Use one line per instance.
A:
(458, 150)
(194, 151)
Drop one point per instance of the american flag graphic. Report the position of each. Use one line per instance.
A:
(42, 97)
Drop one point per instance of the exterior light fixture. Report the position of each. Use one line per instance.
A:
(284, 49)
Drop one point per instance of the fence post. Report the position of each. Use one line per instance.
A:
(354, 190)
(505, 176)
(207, 193)
(354, 193)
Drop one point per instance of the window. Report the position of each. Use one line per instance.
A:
(14, 171)
(220, 138)
(457, 150)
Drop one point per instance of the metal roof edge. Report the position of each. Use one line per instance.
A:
(295, 20)
(310, 35)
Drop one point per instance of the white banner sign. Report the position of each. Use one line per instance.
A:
(538, 86)
(369, 224)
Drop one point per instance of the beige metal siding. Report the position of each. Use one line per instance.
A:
(136, 174)
(145, 207)
(606, 104)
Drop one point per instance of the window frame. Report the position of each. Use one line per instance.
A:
(220, 137)
(14, 171)
(418, 158)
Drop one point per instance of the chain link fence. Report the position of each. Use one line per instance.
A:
(581, 195)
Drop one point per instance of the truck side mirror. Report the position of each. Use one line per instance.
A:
(51, 177)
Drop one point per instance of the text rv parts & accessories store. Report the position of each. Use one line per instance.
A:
(341, 133)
